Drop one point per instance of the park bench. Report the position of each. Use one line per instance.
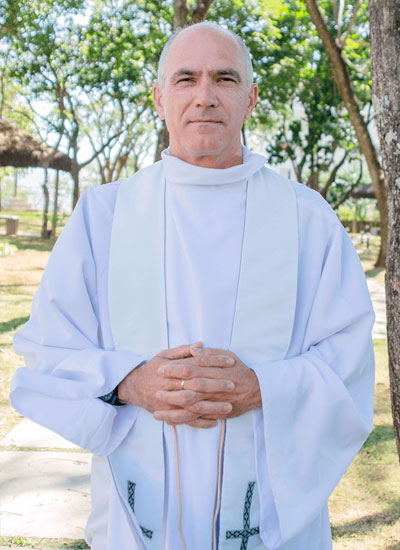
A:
(11, 224)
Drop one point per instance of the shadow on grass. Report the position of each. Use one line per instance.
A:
(380, 434)
(368, 522)
(32, 243)
(376, 454)
(374, 272)
(13, 289)
(13, 324)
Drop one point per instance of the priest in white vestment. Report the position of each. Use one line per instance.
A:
(204, 328)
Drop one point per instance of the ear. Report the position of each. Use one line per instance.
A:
(252, 97)
(158, 100)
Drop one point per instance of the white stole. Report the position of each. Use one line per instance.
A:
(262, 329)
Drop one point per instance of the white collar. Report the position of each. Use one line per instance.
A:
(179, 171)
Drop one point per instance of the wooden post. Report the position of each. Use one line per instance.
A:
(354, 228)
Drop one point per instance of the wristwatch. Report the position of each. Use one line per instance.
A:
(112, 398)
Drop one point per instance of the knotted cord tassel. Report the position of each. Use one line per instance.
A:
(178, 483)
(221, 448)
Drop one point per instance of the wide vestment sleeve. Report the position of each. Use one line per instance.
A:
(317, 403)
(67, 345)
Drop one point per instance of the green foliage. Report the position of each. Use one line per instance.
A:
(84, 71)
(299, 99)
(94, 65)
(121, 45)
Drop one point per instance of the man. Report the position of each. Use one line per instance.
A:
(226, 307)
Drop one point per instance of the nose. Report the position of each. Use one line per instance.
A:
(206, 93)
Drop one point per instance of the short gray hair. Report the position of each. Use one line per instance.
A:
(212, 26)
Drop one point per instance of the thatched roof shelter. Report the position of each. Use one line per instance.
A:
(21, 150)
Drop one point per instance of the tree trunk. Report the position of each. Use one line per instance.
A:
(342, 80)
(55, 204)
(385, 58)
(354, 227)
(200, 11)
(244, 140)
(181, 12)
(75, 178)
(45, 234)
(180, 20)
(162, 141)
(313, 180)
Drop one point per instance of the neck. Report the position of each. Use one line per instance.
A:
(209, 160)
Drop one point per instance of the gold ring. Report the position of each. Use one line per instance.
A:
(182, 384)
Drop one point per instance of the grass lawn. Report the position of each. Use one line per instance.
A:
(43, 543)
(365, 507)
(20, 274)
(31, 222)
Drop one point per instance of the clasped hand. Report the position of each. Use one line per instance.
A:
(217, 384)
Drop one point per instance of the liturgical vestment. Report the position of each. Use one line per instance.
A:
(239, 259)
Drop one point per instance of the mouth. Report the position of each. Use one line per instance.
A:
(205, 122)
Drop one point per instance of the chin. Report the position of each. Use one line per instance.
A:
(205, 148)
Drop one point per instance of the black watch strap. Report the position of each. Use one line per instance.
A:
(112, 398)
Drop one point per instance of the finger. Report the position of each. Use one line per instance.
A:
(180, 351)
(186, 368)
(181, 398)
(211, 360)
(202, 423)
(196, 348)
(217, 408)
(207, 361)
(175, 416)
(175, 373)
(206, 385)
(215, 351)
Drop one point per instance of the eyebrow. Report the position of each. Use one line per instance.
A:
(222, 72)
(231, 72)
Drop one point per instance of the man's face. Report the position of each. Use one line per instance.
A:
(205, 99)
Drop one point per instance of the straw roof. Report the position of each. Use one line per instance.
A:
(21, 150)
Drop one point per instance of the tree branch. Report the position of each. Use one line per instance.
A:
(200, 11)
(345, 197)
(180, 14)
(340, 20)
(342, 80)
(332, 176)
(335, 11)
(97, 153)
(342, 41)
(348, 193)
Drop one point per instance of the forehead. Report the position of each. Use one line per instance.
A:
(204, 50)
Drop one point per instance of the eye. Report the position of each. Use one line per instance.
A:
(226, 79)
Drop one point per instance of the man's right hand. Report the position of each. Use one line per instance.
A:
(140, 386)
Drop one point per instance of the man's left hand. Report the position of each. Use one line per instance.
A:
(198, 374)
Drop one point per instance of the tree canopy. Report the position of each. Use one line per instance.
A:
(83, 75)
